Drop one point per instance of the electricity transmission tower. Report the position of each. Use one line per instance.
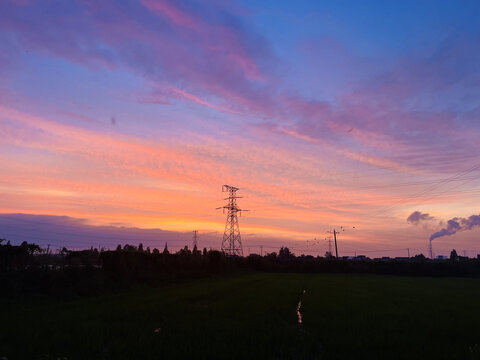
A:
(232, 242)
(329, 239)
(195, 239)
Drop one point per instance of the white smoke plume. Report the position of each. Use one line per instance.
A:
(457, 224)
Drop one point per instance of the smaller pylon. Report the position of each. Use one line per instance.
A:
(195, 239)
(329, 240)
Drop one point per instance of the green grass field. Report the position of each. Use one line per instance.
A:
(254, 316)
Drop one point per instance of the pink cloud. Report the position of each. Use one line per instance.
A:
(107, 176)
(171, 12)
(214, 59)
(173, 164)
(195, 50)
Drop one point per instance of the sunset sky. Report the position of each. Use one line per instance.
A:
(133, 113)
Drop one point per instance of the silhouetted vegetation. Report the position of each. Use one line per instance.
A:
(27, 268)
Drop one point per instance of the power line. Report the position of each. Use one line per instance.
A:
(429, 189)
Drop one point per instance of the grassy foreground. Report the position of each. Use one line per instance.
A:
(254, 316)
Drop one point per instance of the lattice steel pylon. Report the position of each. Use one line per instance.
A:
(232, 242)
(195, 239)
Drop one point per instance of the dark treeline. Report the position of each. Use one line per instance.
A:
(27, 268)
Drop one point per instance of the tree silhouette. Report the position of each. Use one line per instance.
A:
(419, 257)
(453, 255)
(285, 253)
(195, 251)
(184, 251)
(129, 248)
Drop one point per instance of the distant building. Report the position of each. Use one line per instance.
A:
(442, 257)
(402, 258)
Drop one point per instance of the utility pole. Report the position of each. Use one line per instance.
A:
(336, 248)
(408, 252)
(335, 232)
(431, 251)
(232, 242)
(261, 250)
